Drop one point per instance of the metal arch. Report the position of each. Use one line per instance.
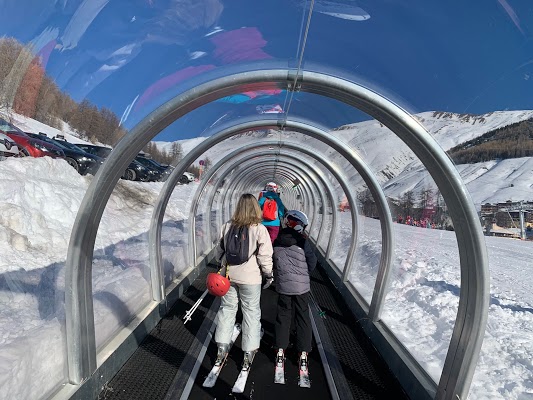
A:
(246, 124)
(310, 194)
(332, 198)
(315, 176)
(369, 179)
(295, 203)
(472, 314)
(332, 168)
(195, 204)
(216, 169)
(284, 177)
(316, 173)
(237, 185)
(274, 167)
(228, 198)
(215, 189)
(226, 207)
(228, 168)
(240, 186)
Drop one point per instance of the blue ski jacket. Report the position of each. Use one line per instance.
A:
(281, 208)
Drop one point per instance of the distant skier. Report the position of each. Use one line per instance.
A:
(294, 259)
(273, 209)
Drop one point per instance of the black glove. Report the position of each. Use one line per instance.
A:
(268, 282)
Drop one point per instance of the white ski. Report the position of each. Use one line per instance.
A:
(215, 371)
(279, 372)
(279, 375)
(304, 380)
(240, 383)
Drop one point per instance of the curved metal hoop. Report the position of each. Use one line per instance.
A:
(474, 296)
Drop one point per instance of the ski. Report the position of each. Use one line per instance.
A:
(279, 372)
(215, 371)
(304, 380)
(240, 383)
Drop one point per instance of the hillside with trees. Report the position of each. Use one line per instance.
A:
(26, 89)
(511, 141)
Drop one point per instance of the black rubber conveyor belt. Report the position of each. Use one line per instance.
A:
(159, 369)
(260, 384)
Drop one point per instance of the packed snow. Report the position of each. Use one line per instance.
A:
(38, 205)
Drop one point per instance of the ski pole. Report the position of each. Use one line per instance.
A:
(189, 313)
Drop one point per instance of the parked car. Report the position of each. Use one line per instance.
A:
(135, 171)
(166, 170)
(81, 161)
(186, 178)
(99, 151)
(27, 145)
(8, 147)
(162, 171)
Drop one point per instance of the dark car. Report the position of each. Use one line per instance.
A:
(135, 171)
(81, 161)
(99, 151)
(29, 146)
(164, 170)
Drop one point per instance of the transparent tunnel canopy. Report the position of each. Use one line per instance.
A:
(89, 72)
(121, 272)
(174, 235)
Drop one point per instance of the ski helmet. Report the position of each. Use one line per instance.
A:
(271, 187)
(296, 220)
(217, 284)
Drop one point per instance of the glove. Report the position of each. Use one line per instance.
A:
(268, 282)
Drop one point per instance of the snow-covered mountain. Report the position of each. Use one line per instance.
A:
(399, 169)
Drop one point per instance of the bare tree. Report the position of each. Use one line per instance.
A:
(25, 101)
(15, 60)
(176, 153)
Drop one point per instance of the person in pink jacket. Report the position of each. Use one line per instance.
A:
(246, 280)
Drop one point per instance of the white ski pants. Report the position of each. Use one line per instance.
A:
(249, 297)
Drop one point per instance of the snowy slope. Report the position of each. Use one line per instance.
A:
(32, 126)
(397, 167)
(38, 205)
(488, 182)
(187, 144)
(387, 154)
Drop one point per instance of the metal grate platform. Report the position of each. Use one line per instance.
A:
(151, 370)
(161, 366)
(365, 372)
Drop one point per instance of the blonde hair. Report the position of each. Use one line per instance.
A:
(247, 211)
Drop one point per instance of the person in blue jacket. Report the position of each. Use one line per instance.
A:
(273, 226)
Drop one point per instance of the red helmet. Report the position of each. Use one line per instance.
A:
(217, 284)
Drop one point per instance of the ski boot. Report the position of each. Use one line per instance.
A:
(222, 354)
(248, 359)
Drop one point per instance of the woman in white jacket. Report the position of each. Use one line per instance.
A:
(246, 279)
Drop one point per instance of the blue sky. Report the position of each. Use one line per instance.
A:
(455, 56)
